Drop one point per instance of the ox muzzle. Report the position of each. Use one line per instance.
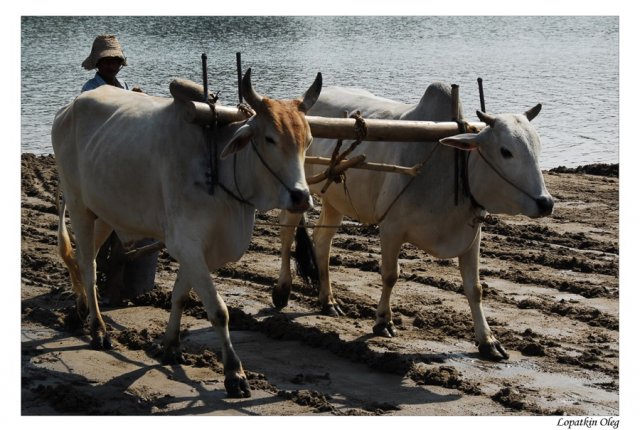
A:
(300, 200)
(545, 206)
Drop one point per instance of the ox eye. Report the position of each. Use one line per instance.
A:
(270, 139)
(506, 153)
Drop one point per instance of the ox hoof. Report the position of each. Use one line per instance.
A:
(237, 387)
(332, 310)
(493, 351)
(280, 297)
(101, 342)
(172, 358)
(385, 329)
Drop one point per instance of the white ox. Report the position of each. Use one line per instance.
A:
(503, 177)
(131, 162)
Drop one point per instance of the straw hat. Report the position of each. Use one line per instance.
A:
(105, 45)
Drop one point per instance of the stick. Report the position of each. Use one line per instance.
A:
(344, 165)
(144, 250)
(380, 167)
(481, 91)
(205, 82)
(455, 102)
(239, 71)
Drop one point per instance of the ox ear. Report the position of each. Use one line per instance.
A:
(533, 112)
(312, 94)
(239, 140)
(466, 142)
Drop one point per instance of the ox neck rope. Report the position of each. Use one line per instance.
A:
(269, 168)
(213, 171)
(464, 176)
(461, 167)
(504, 177)
(461, 171)
(484, 217)
(213, 174)
(241, 198)
(419, 168)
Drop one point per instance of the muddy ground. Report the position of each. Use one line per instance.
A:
(551, 295)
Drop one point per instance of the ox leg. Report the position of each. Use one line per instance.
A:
(322, 238)
(488, 345)
(200, 280)
(390, 248)
(281, 292)
(82, 221)
(171, 343)
(101, 232)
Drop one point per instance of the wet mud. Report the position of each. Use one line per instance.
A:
(550, 289)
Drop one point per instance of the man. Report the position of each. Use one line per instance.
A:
(107, 56)
(118, 276)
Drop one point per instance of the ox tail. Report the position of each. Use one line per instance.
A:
(66, 251)
(305, 256)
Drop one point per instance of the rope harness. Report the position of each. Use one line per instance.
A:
(419, 168)
(213, 170)
(331, 173)
(332, 176)
(337, 157)
(504, 177)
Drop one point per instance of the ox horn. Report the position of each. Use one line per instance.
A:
(250, 95)
(490, 120)
(533, 112)
(312, 94)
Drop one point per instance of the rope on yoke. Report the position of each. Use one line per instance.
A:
(337, 175)
(210, 130)
(246, 110)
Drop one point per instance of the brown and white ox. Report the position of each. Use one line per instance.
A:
(503, 178)
(130, 162)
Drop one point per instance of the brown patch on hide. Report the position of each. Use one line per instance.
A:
(289, 122)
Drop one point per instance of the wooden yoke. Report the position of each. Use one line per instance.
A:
(387, 129)
(201, 113)
(344, 128)
(190, 95)
(331, 128)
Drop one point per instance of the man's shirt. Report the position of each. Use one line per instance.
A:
(97, 81)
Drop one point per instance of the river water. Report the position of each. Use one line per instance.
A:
(569, 64)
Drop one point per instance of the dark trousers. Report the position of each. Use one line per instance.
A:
(120, 277)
